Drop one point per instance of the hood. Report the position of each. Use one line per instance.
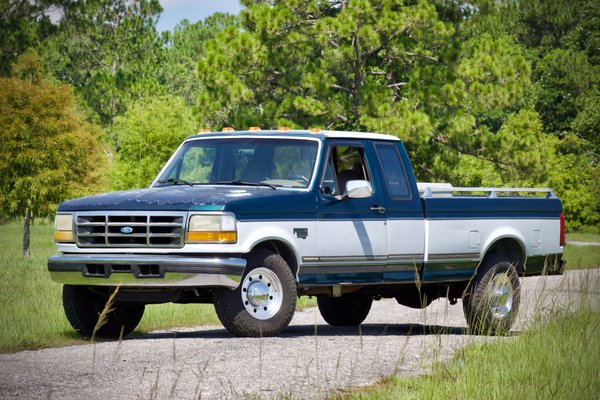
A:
(180, 198)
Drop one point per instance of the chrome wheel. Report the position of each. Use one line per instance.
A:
(262, 293)
(501, 295)
(491, 302)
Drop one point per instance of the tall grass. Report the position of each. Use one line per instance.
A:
(559, 359)
(583, 237)
(582, 257)
(579, 257)
(557, 356)
(31, 315)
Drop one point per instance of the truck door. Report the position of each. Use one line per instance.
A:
(406, 224)
(352, 232)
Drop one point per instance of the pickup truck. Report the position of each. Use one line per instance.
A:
(251, 220)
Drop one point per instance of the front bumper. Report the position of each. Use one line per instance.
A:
(132, 270)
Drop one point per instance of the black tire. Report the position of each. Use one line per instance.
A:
(348, 310)
(264, 302)
(491, 303)
(83, 308)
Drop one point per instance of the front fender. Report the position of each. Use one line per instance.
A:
(299, 236)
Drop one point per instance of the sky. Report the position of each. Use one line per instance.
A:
(192, 10)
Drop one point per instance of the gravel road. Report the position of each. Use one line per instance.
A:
(309, 360)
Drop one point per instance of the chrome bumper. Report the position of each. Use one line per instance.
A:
(145, 270)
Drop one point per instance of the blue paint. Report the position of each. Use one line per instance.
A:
(400, 277)
(451, 275)
(504, 207)
(326, 279)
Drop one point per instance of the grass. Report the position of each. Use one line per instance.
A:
(583, 237)
(558, 359)
(33, 316)
(580, 257)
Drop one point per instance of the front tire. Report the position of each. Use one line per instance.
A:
(83, 308)
(264, 302)
(491, 303)
(348, 310)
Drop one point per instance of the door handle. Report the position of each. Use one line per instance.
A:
(375, 207)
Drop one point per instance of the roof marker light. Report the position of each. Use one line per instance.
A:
(254, 128)
(315, 130)
(227, 129)
(204, 130)
(283, 128)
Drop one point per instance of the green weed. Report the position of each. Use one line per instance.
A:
(581, 257)
(583, 237)
(554, 360)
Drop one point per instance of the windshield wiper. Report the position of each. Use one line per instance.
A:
(175, 181)
(243, 183)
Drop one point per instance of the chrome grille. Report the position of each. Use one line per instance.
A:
(130, 229)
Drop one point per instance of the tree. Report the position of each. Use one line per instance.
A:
(47, 151)
(184, 47)
(401, 68)
(24, 24)
(110, 52)
(563, 39)
(148, 134)
(315, 63)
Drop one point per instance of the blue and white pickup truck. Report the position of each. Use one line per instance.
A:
(250, 220)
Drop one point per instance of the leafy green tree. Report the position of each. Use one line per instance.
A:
(24, 24)
(184, 47)
(315, 63)
(110, 52)
(563, 39)
(575, 176)
(47, 151)
(148, 134)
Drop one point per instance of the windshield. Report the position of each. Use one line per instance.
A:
(287, 163)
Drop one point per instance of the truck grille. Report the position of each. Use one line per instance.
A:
(130, 229)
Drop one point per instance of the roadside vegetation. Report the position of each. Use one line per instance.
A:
(557, 359)
(584, 254)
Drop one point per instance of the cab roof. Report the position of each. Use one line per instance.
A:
(314, 133)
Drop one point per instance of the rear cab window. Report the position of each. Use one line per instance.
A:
(394, 173)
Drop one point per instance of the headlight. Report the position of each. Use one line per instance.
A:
(63, 228)
(212, 228)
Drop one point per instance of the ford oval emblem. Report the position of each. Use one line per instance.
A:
(126, 230)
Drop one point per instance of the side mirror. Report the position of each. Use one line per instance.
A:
(358, 189)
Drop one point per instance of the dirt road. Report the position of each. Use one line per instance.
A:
(309, 359)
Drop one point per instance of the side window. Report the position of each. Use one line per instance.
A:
(345, 163)
(393, 170)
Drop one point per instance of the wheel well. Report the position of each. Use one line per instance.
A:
(510, 248)
(284, 251)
